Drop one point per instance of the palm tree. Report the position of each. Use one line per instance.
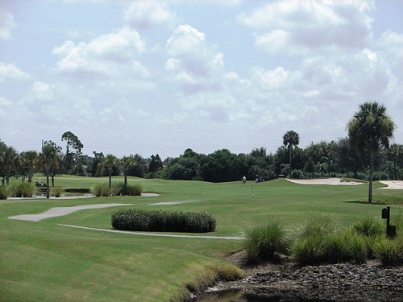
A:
(110, 161)
(49, 161)
(28, 160)
(125, 163)
(9, 161)
(290, 139)
(370, 128)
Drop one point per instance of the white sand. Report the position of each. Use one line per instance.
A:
(62, 211)
(324, 181)
(393, 184)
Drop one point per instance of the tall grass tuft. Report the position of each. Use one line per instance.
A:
(308, 250)
(357, 247)
(134, 190)
(261, 242)
(319, 225)
(335, 247)
(388, 251)
(369, 227)
(3, 192)
(22, 189)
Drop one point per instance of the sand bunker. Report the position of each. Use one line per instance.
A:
(62, 211)
(324, 181)
(392, 184)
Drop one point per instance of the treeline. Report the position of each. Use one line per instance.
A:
(323, 159)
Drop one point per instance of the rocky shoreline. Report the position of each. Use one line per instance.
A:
(335, 282)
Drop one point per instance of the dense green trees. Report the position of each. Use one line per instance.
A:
(368, 130)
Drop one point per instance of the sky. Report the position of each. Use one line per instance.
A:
(158, 77)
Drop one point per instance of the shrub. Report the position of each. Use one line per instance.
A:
(134, 190)
(23, 189)
(357, 247)
(57, 191)
(308, 250)
(264, 241)
(101, 190)
(318, 225)
(158, 221)
(388, 251)
(335, 247)
(297, 174)
(3, 192)
(369, 227)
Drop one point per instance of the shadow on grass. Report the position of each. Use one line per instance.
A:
(375, 203)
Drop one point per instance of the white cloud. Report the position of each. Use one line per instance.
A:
(391, 43)
(147, 13)
(300, 27)
(10, 71)
(106, 55)
(6, 24)
(196, 66)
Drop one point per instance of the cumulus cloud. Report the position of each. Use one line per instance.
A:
(10, 71)
(298, 27)
(6, 24)
(391, 43)
(104, 55)
(143, 14)
(194, 64)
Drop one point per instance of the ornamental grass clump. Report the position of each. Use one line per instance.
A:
(369, 227)
(159, 221)
(389, 251)
(3, 192)
(262, 242)
(23, 189)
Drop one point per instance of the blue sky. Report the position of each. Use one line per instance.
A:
(154, 77)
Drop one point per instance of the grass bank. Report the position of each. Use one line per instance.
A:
(43, 261)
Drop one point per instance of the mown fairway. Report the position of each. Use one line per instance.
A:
(44, 261)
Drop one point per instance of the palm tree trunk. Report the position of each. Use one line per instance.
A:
(289, 152)
(371, 174)
(47, 185)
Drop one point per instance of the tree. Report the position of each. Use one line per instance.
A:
(290, 139)
(155, 164)
(73, 152)
(28, 161)
(9, 160)
(49, 161)
(369, 129)
(110, 161)
(125, 163)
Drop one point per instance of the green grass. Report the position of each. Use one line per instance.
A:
(43, 261)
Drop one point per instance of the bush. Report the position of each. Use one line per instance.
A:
(357, 247)
(23, 189)
(388, 251)
(380, 176)
(101, 190)
(3, 192)
(264, 241)
(297, 174)
(369, 227)
(158, 221)
(134, 190)
(308, 250)
(335, 248)
(57, 191)
(318, 225)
